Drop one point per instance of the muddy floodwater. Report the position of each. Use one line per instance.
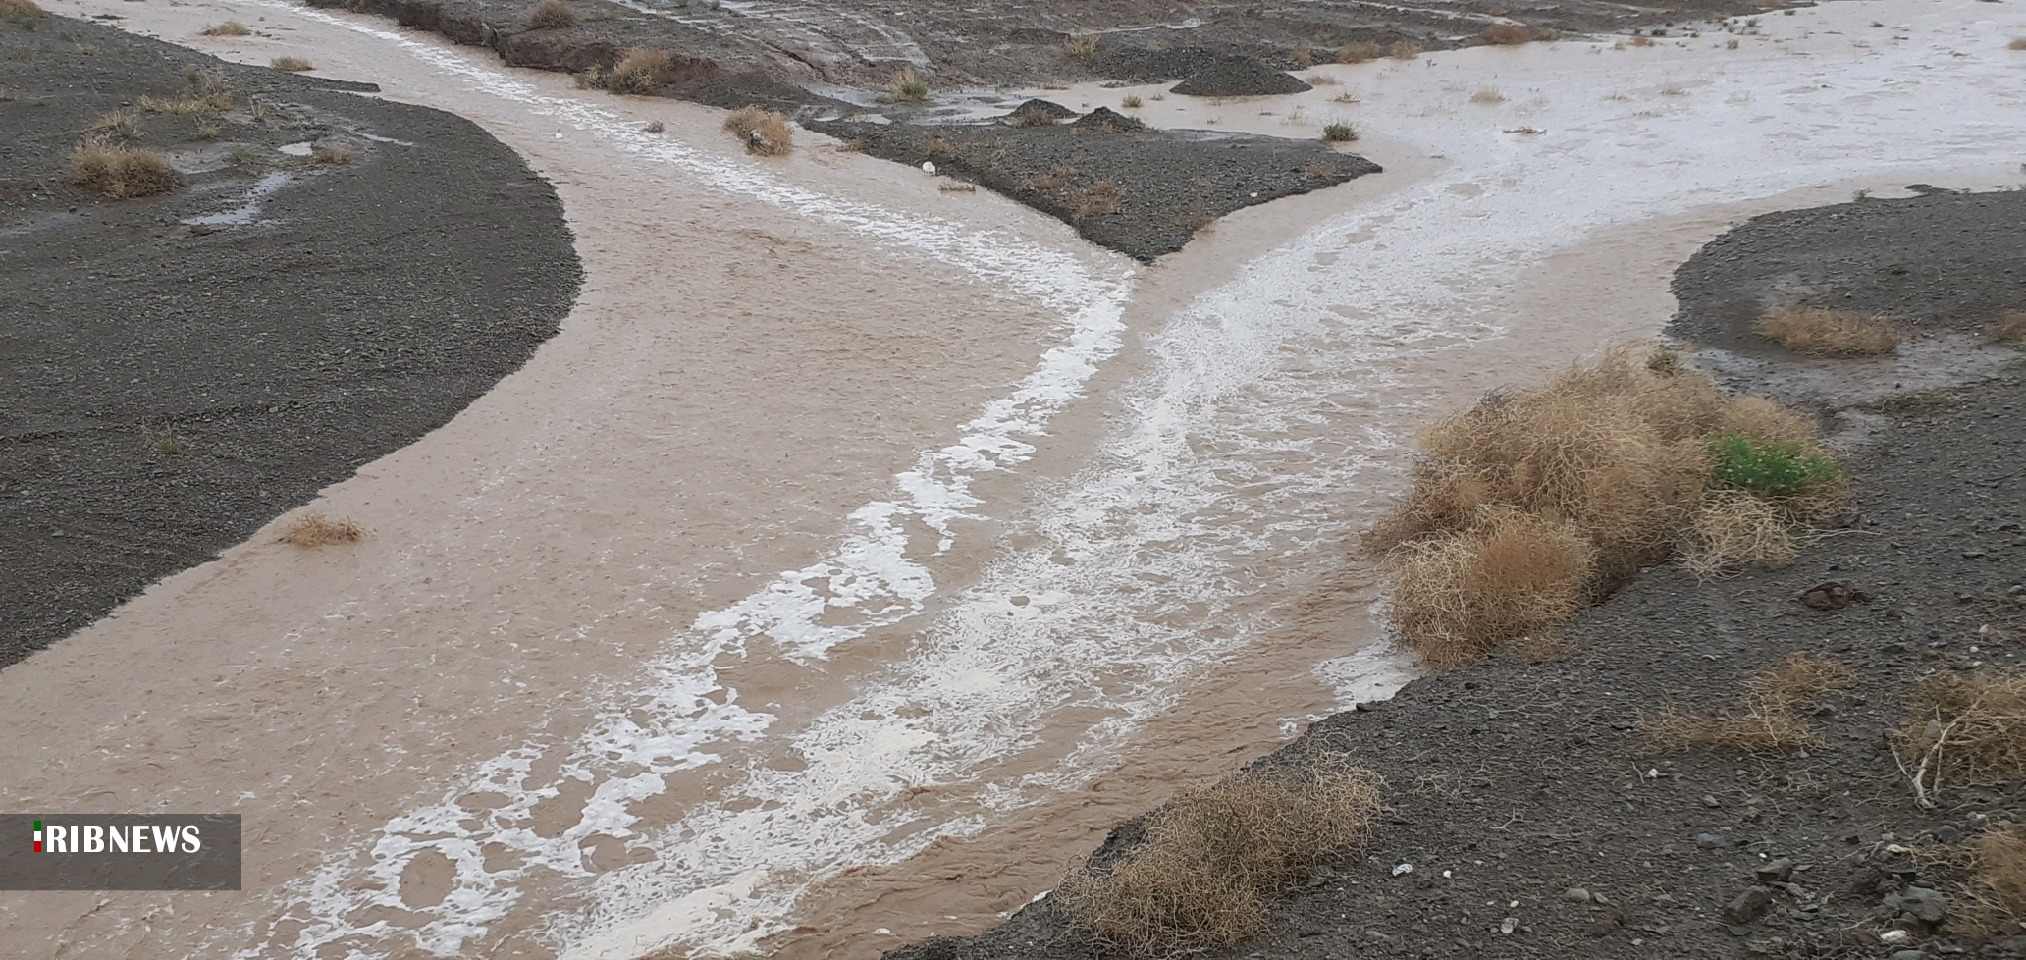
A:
(860, 551)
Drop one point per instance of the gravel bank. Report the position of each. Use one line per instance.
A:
(178, 370)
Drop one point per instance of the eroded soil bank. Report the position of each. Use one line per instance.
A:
(178, 370)
(1539, 820)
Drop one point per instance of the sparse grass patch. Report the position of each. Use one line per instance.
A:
(764, 132)
(1996, 894)
(1487, 95)
(2009, 329)
(332, 154)
(1506, 34)
(1832, 333)
(552, 15)
(164, 442)
(1734, 528)
(1132, 102)
(291, 64)
(1359, 52)
(118, 172)
(1915, 401)
(1641, 41)
(125, 124)
(908, 86)
(1775, 469)
(1100, 199)
(1404, 50)
(1339, 132)
(1213, 857)
(1966, 728)
(317, 529)
(1764, 722)
(1081, 46)
(639, 70)
(230, 28)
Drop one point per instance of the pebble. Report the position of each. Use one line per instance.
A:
(1708, 841)
(1576, 895)
(1773, 870)
(1748, 906)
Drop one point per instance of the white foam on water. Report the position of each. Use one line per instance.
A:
(1267, 402)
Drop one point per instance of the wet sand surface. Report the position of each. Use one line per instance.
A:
(1056, 529)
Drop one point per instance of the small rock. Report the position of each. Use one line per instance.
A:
(1774, 870)
(1708, 841)
(1834, 595)
(1576, 895)
(655, 127)
(1909, 955)
(1709, 801)
(1920, 903)
(1748, 906)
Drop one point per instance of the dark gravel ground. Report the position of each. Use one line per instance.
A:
(1526, 791)
(363, 305)
(1140, 192)
(1238, 77)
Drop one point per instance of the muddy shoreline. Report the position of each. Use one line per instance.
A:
(1515, 787)
(181, 369)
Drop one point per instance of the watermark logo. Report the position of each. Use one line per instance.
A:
(123, 852)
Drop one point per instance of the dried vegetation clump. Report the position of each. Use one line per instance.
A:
(1829, 333)
(639, 70)
(118, 171)
(764, 132)
(317, 529)
(1214, 857)
(1966, 729)
(552, 15)
(1765, 722)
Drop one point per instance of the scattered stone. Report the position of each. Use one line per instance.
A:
(1105, 120)
(1834, 595)
(1708, 841)
(655, 127)
(1576, 895)
(1774, 870)
(1748, 906)
(1038, 113)
(1920, 903)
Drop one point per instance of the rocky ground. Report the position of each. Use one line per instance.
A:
(1531, 815)
(177, 370)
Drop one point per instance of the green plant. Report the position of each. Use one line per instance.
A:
(1339, 132)
(909, 86)
(1132, 103)
(1770, 468)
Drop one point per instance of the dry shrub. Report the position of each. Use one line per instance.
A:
(230, 28)
(1967, 728)
(1734, 528)
(21, 11)
(908, 86)
(1642, 41)
(332, 154)
(2018, 43)
(291, 64)
(204, 92)
(1507, 34)
(316, 529)
(118, 171)
(1508, 575)
(1213, 857)
(2010, 329)
(1758, 728)
(1080, 46)
(552, 15)
(1764, 723)
(1833, 333)
(764, 132)
(1404, 50)
(1487, 95)
(1994, 901)
(639, 70)
(119, 123)
(1359, 52)
(1800, 678)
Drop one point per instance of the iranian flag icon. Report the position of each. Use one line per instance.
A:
(38, 836)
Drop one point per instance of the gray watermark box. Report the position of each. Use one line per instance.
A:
(119, 851)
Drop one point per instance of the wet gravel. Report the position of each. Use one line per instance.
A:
(168, 387)
(1530, 816)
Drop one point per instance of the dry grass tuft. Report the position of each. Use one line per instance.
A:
(1993, 903)
(1967, 728)
(332, 154)
(1487, 95)
(119, 172)
(1214, 856)
(316, 529)
(1801, 678)
(230, 28)
(638, 71)
(21, 11)
(204, 92)
(1080, 46)
(1832, 333)
(291, 64)
(1507, 34)
(764, 132)
(125, 124)
(1642, 41)
(1509, 575)
(2009, 329)
(2018, 43)
(1359, 52)
(1765, 722)
(552, 15)
(1735, 528)
(1404, 50)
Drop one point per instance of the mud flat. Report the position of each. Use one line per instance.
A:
(180, 369)
(1531, 815)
